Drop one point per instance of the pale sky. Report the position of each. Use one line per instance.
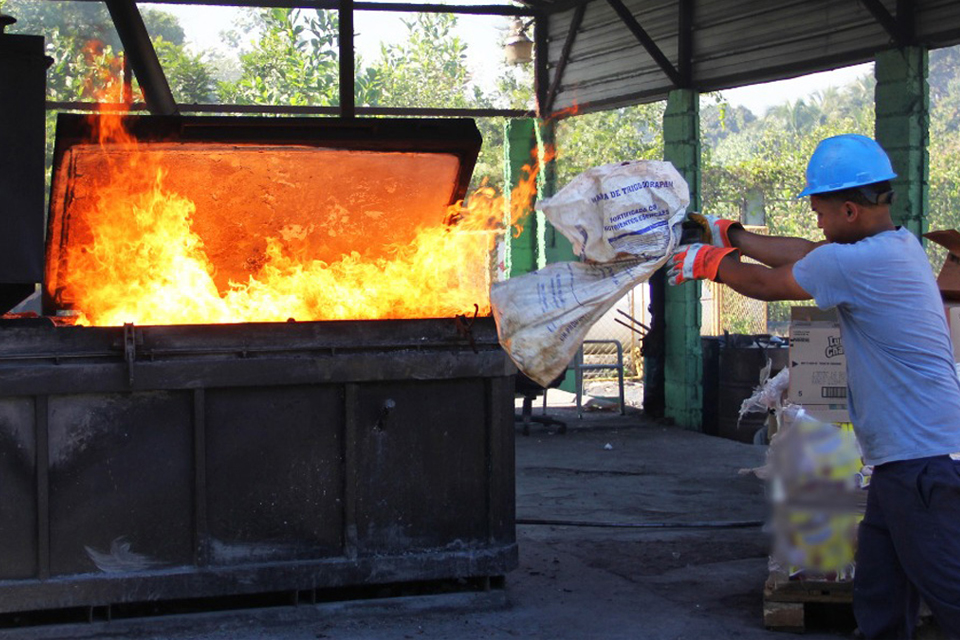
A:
(484, 36)
(759, 97)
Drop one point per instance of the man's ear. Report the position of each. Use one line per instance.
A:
(851, 210)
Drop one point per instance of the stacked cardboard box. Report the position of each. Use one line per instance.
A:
(818, 366)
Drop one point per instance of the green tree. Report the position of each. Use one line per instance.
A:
(294, 61)
(944, 193)
(589, 140)
(87, 21)
(85, 49)
(720, 120)
(428, 69)
(188, 74)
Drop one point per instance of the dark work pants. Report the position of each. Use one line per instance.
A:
(909, 547)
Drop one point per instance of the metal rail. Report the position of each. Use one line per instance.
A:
(294, 110)
(580, 368)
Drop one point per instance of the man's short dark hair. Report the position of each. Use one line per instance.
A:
(867, 195)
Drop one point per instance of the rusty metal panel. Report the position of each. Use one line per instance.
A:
(22, 80)
(274, 471)
(120, 482)
(18, 489)
(224, 460)
(413, 432)
(250, 179)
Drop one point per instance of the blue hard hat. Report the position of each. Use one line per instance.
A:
(846, 161)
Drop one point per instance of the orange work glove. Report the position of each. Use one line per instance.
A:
(714, 230)
(695, 262)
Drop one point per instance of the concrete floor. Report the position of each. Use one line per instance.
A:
(574, 581)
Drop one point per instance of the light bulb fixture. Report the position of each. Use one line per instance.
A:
(518, 47)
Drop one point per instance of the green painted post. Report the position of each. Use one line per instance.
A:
(903, 129)
(683, 359)
(539, 244)
(525, 252)
(556, 245)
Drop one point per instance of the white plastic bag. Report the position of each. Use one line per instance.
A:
(621, 210)
(769, 395)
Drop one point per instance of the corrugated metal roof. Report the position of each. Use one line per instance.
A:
(732, 43)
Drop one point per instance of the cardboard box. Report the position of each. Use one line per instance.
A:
(949, 282)
(818, 366)
(949, 279)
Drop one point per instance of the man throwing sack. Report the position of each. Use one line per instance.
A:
(904, 395)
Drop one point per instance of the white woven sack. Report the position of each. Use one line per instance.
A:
(621, 210)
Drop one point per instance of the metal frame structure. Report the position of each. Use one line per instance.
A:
(159, 99)
(661, 45)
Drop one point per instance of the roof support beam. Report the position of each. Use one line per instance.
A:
(907, 19)
(479, 9)
(647, 42)
(581, 9)
(541, 73)
(900, 28)
(143, 57)
(348, 104)
(685, 43)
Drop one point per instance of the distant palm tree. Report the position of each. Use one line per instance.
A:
(798, 117)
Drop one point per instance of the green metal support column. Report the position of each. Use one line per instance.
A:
(526, 251)
(539, 244)
(683, 360)
(903, 129)
(556, 245)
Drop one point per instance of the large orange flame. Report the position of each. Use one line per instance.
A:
(138, 252)
(141, 259)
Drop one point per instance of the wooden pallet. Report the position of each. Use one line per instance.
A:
(785, 601)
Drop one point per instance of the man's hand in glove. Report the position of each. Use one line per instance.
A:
(714, 231)
(696, 262)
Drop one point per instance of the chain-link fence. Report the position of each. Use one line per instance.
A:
(725, 310)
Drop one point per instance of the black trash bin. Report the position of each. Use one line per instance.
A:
(740, 360)
(710, 346)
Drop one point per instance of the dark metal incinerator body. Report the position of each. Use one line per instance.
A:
(147, 463)
(151, 463)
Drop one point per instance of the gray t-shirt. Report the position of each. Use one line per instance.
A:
(904, 395)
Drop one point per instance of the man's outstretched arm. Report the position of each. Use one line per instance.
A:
(773, 251)
(760, 282)
(722, 264)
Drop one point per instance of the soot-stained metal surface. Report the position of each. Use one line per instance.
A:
(151, 463)
(22, 79)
